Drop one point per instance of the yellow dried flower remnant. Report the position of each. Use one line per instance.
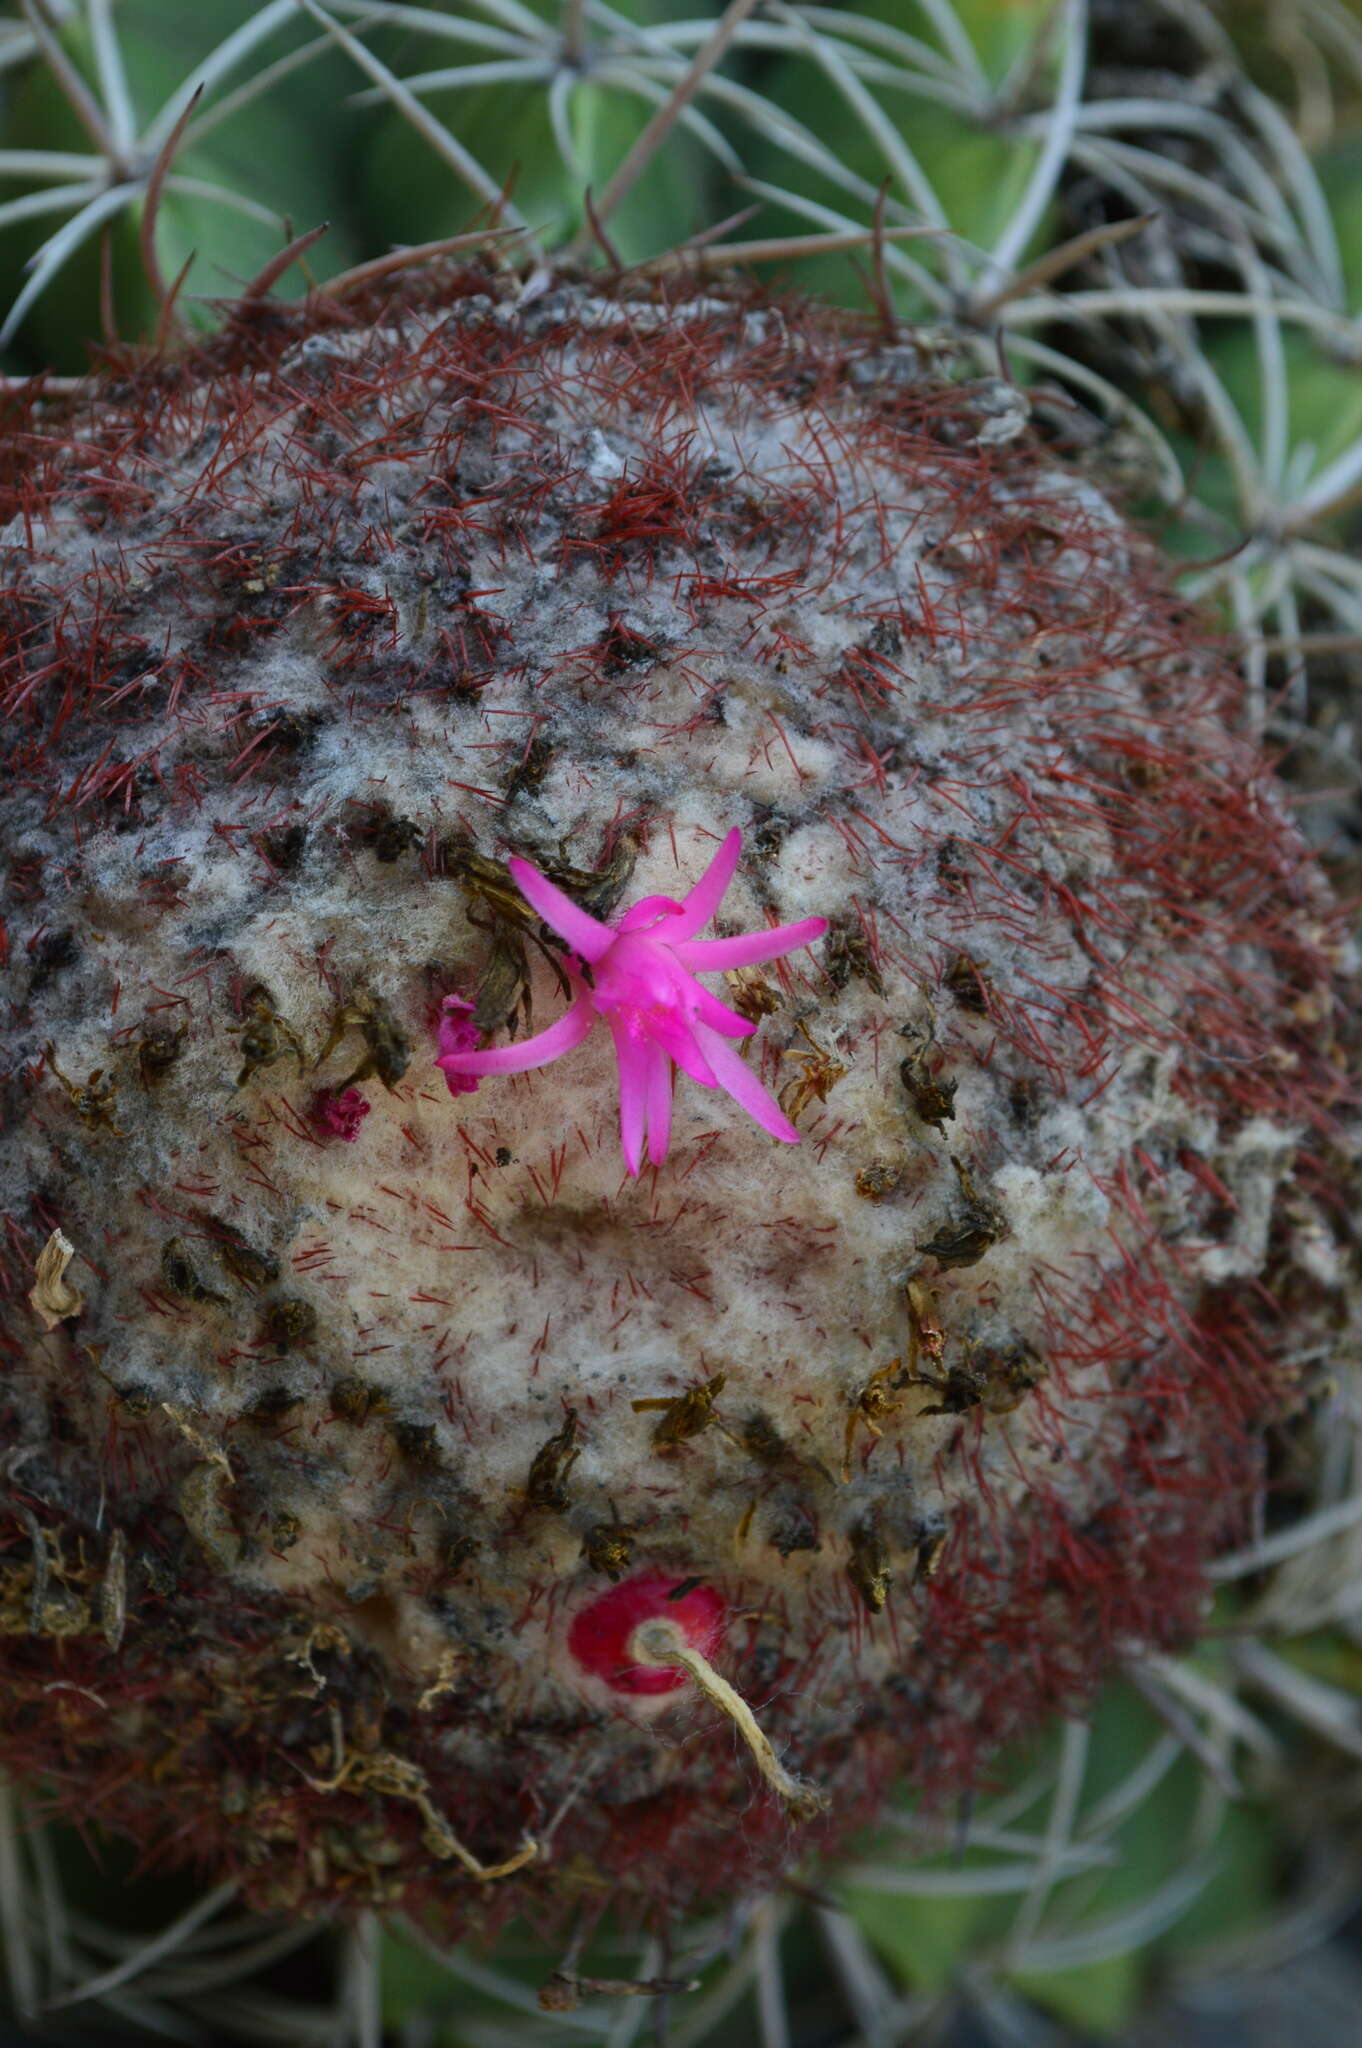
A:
(52, 1295)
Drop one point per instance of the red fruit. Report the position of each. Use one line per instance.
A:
(601, 1637)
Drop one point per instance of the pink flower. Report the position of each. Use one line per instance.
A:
(340, 1115)
(642, 981)
(458, 1034)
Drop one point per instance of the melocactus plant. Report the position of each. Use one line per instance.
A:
(409, 1497)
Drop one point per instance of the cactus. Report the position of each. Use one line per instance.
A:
(931, 1379)
(415, 1451)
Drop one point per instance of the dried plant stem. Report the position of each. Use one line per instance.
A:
(151, 204)
(265, 280)
(403, 259)
(165, 319)
(779, 248)
(396, 1778)
(599, 236)
(1056, 261)
(564, 1990)
(662, 1642)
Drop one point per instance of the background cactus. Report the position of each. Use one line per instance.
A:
(1186, 319)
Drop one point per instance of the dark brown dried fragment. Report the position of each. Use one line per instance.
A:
(456, 1547)
(761, 1440)
(354, 1400)
(251, 1267)
(684, 1415)
(968, 984)
(417, 1441)
(966, 1238)
(290, 1321)
(273, 1405)
(608, 1548)
(93, 1099)
(265, 1036)
(136, 1398)
(868, 1568)
(387, 1049)
(846, 952)
(52, 954)
(394, 837)
(182, 1276)
(282, 846)
(933, 1100)
(157, 1051)
(546, 1486)
(792, 1527)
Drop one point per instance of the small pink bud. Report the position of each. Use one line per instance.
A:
(458, 1034)
(340, 1116)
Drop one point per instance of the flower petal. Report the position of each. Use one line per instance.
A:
(659, 1104)
(718, 1016)
(586, 935)
(701, 902)
(709, 956)
(635, 1075)
(647, 911)
(742, 1084)
(677, 1039)
(572, 1027)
